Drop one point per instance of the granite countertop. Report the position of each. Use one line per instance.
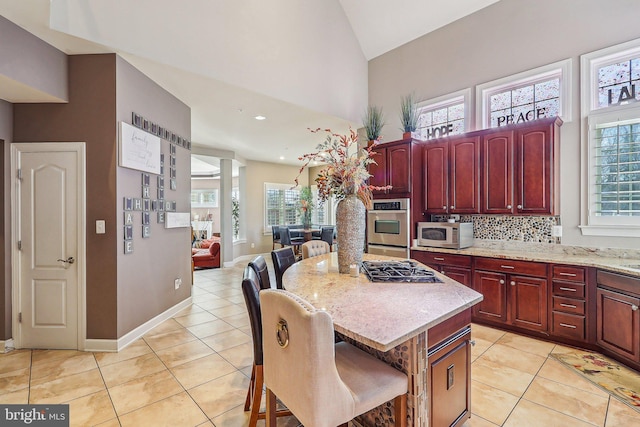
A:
(379, 315)
(625, 261)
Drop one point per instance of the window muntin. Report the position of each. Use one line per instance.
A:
(281, 205)
(442, 119)
(526, 96)
(618, 82)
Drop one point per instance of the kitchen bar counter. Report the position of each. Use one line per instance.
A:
(388, 320)
(615, 260)
(379, 315)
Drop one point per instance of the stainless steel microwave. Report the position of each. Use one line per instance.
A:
(452, 235)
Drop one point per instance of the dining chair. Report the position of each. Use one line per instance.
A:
(323, 384)
(327, 235)
(259, 265)
(275, 234)
(314, 248)
(287, 240)
(251, 290)
(282, 259)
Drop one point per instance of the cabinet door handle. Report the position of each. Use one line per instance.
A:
(568, 274)
(568, 305)
(568, 289)
(565, 325)
(508, 206)
(510, 267)
(453, 207)
(519, 206)
(513, 283)
(634, 307)
(501, 282)
(444, 207)
(437, 258)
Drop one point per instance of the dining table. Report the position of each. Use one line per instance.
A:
(307, 233)
(389, 320)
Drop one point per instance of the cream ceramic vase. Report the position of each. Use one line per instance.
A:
(350, 224)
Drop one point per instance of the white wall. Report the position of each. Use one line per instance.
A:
(506, 38)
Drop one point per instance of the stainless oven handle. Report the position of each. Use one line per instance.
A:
(390, 212)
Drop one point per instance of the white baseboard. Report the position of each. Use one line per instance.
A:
(124, 341)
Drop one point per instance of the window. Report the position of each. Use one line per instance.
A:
(204, 198)
(611, 147)
(281, 205)
(323, 211)
(534, 94)
(443, 116)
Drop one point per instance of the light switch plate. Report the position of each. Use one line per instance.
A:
(100, 226)
(556, 231)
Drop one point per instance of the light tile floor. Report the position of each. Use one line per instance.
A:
(193, 370)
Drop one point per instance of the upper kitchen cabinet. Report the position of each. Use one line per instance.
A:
(520, 169)
(451, 174)
(393, 168)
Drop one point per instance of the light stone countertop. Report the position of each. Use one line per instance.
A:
(379, 315)
(611, 259)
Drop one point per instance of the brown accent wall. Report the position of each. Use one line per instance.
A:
(89, 117)
(6, 136)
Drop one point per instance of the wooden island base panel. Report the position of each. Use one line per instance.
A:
(401, 324)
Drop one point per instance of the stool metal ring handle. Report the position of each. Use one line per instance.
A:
(282, 333)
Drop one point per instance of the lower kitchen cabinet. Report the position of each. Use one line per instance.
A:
(457, 267)
(569, 301)
(512, 294)
(618, 323)
(450, 380)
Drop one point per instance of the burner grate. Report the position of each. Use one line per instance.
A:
(398, 271)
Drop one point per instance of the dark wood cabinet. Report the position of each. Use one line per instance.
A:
(497, 173)
(515, 293)
(457, 267)
(537, 160)
(519, 167)
(569, 299)
(451, 173)
(618, 320)
(393, 168)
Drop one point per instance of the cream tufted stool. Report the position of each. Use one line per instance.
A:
(314, 248)
(322, 383)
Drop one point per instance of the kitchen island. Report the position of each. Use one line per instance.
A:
(390, 320)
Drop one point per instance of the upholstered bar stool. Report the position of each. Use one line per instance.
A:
(259, 265)
(282, 259)
(314, 248)
(322, 383)
(250, 290)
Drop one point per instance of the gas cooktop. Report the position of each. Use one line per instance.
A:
(398, 271)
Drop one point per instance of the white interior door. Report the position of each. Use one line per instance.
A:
(49, 234)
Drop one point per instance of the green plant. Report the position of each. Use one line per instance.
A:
(306, 205)
(373, 122)
(235, 216)
(408, 113)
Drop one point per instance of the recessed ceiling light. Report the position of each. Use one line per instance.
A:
(281, 157)
(260, 117)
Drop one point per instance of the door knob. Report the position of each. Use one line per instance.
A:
(69, 260)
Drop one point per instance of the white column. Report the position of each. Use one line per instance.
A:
(226, 226)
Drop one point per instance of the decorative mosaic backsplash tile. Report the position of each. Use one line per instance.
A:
(510, 227)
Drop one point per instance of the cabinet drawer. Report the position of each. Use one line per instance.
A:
(569, 273)
(568, 305)
(510, 266)
(568, 289)
(568, 325)
(446, 259)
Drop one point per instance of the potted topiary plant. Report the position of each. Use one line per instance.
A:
(408, 115)
(373, 122)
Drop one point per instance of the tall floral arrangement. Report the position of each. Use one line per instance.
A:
(346, 171)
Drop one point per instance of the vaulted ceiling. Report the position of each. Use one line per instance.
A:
(300, 64)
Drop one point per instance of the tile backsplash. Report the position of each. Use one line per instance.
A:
(535, 229)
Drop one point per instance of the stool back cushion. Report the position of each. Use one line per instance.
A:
(314, 248)
(303, 374)
(251, 290)
(282, 259)
(259, 265)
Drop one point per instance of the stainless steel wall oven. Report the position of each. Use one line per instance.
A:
(388, 228)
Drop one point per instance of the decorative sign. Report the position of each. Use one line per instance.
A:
(527, 116)
(439, 131)
(139, 150)
(627, 94)
(177, 219)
